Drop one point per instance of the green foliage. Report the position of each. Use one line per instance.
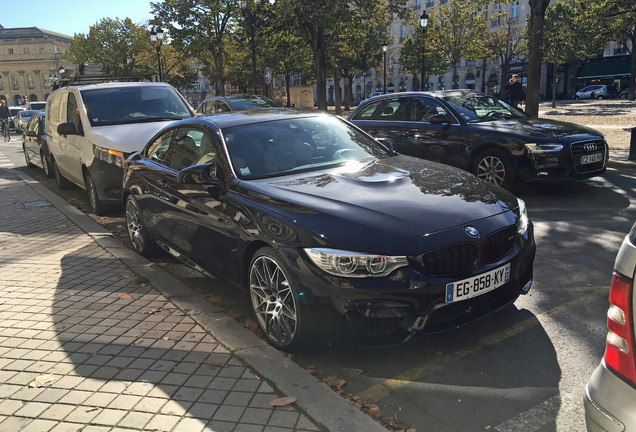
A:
(561, 36)
(435, 60)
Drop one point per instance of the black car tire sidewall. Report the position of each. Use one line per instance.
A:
(60, 180)
(46, 165)
(302, 313)
(93, 197)
(150, 248)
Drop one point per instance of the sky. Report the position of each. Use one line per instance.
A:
(71, 16)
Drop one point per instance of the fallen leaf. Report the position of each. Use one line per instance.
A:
(311, 370)
(374, 412)
(251, 325)
(334, 382)
(284, 401)
(125, 297)
(42, 380)
(138, 341)
(233, 314)
(150, 312)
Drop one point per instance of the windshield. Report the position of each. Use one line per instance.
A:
(480, 108)
(120, 105)
(254, 102)
(27, 113)
(300, 144)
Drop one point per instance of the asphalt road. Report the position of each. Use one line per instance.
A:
(521, 369)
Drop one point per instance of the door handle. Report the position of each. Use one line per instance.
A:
(162, 183)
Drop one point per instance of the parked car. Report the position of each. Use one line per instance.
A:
(36, 151)
(611, 389)
(22, 118)
(372, 94)
(324, 227)
(36, 105)
(593, 92)
(221, 104)
(13, 112)
(92, 129)
(483, 135)
(623, 94)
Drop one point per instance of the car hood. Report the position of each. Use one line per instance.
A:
(383, 202)
(126, 138)
(539, 129)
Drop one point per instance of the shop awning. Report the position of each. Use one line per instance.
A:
(606, 67)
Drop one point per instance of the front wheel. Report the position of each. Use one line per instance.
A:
(274, 298)
(47, 166)
(137, 231)
(496, 167)
(61, 181)
(27, 159)
(97, 206)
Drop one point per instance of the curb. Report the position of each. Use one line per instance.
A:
(316, 399)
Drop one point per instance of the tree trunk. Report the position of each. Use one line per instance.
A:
(320, 60)
(455, 82)
(535, 55)
(631, 92)
(336, 90)
(554, 84)
(288, 87)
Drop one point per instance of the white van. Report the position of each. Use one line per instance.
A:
(36, 105)
(92, 129)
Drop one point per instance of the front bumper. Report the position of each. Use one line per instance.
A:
(389, 310)
(108, 181)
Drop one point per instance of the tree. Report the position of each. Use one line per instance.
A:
(506, 43)
(201, 29)
(112, 43)
(561, 39)
(612, 20)
(462, 32)
(435, 62)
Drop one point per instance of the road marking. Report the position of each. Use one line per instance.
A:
(5, 162)
(533, 419)
(380, 391)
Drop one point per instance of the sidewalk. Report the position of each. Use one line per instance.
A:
(94, 337)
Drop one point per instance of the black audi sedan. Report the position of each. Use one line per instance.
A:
(237, 102)
(325, 228)
(483, 135)
(36, 150)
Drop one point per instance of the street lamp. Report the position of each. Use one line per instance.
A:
(423, 24)
(156, 37)
(250, 16)
(384, 48)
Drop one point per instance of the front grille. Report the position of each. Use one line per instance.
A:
(587, 148)
(461, 258)
(451, 260)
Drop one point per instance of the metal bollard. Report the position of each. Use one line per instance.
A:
(632, 145)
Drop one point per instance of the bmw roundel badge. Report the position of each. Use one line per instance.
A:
(472, 232)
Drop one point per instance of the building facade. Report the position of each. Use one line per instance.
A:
(30, 63)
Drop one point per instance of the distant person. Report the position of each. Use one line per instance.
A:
(514, 90)
(4, 115)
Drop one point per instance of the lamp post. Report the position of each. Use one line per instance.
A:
(250, 16)
(156, 37)
(423, 24)
(384, 48)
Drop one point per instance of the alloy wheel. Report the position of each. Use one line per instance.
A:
(135, 226)
(491, 169)
(273, 301)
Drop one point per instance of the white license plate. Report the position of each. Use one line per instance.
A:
(591, 158)
(477, 285)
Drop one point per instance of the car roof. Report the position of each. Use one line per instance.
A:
(116, 85)
(245, 117)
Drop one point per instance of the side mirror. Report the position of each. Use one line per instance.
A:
(30, 133)
(199, 174)
(67, 128)
(388, 143)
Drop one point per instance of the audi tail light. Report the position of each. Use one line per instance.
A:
(619, 350)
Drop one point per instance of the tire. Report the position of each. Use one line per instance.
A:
(27, 159)
(600, 97)
(61, 181)
(47, 166)
(496, 167)
(137, 231)
(97, 206)
(274, 298)
(577, 98)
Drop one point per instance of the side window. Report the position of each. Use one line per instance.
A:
(425, 108)
(221, 107)
(72, 112)
(158, 150)
(366, 113)
(393, 110)
(190, 147)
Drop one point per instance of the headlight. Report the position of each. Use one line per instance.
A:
(109, 156)
(354, 264)
(522, 222)
(544, 147)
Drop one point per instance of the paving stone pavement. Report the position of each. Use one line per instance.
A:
(88, 344)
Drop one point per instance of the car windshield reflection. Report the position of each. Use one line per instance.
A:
(301, 144)
(113, 106)
(475, 109)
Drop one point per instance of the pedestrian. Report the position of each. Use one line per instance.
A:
(514, 90)
(4, 115)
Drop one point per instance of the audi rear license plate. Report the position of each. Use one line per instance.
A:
(591, 158)
(477, 285)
